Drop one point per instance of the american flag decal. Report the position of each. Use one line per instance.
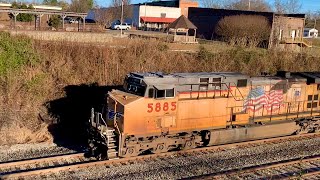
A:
(258, 98)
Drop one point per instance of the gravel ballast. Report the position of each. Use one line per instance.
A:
(29, 151)
(198, 164)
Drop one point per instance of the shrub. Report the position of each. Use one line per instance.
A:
(22, 17)
(244, 30)
(54, 21)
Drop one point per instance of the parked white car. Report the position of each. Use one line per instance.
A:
(123, 26)
(73, 21)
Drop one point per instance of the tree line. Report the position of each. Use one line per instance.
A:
(278, 6)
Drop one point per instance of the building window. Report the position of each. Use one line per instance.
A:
(309, 105)
(309, 97)
(315, 97)
(314, 105)
(163, 15)
(280, 34)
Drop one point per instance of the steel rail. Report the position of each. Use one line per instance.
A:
(154, 156)
(38, 160)
(275, 165)
(281, 164)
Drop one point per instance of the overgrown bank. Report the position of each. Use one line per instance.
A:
(46, 82)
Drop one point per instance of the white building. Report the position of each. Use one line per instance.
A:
(310, 33)
(154, 17)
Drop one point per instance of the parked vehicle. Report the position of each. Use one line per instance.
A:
(90, 21)
(73, 21)
(123, 26)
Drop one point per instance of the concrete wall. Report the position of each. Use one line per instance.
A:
(66, 36)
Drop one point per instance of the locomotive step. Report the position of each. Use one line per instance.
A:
(112, 147)
(111, 136)
(112, 151)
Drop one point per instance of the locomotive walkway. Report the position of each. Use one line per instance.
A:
(52, 165)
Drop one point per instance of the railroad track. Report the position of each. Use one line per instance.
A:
(50, 165)
(307, 168)
(29, 165)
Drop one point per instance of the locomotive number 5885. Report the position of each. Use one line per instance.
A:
(166, 106)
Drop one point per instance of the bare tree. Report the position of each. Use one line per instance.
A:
(253, 5)
(244, 30)
(279, 6)
(213, 3)
(117, 3)
(293, 6)
(287, 6)
(103, 17)
(81, 5)
(312, 20)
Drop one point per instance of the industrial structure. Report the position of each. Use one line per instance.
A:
(156, 15)
(39, 11)
(159, 112)
(286, 29)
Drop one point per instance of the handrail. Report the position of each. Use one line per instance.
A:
(100, 114)
(228, 87)
(119, 143)
(215, 85)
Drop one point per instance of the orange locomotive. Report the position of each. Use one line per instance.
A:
(159, 112)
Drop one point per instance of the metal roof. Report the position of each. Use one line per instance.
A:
(182, 22)
(185, 75)
(157, 19)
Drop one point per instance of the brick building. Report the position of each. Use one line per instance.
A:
(288, 29)
(285, 29)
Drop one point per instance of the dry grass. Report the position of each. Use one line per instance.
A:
(18, 132)
(25, 91)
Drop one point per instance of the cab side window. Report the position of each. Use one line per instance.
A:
(151, 93)
(165, 93)
(169, 93)
(160, 93)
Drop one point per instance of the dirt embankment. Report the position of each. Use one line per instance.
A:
(46, 83)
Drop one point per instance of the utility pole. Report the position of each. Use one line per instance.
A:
(249, 5)
(145, 15)
(121, 21)
(314, 27)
